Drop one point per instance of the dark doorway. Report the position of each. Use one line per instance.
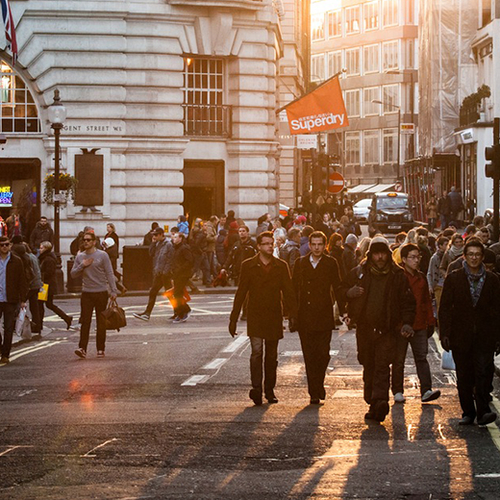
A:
(20, 191)
(203, 188)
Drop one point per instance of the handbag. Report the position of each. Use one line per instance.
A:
(43, 294)
(114, 316)
(447, 361)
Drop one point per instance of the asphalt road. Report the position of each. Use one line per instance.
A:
(166, 415)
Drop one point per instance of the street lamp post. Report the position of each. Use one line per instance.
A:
(57, 116)
(394, 106)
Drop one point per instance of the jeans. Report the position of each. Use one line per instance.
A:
(316, 349)
(420, 348)
(181, 307)
(88, 302)
(8, 311)
(159, 281)
(270, 364)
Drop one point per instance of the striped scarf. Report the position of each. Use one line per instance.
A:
(476, 282)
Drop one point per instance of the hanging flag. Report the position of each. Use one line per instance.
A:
(321, 109)
(10, 29)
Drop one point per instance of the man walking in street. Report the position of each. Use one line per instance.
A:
(41, 232)
(244, 248)
(94, 266)
(290, 251)
(13, 290)
(423, 328)
(316, 281)
(182, 269)
(161, 252)
(469, 325)
(382, 305)
(266, 280)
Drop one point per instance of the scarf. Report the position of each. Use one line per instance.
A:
(476, 282)
(455, 252)
(380, 272)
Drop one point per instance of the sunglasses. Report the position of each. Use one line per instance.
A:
(4, 244)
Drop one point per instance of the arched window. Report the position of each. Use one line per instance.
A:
(17, 108)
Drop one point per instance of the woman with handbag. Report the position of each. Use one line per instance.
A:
(48, 266)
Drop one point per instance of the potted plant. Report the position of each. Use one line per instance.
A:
(67, 187)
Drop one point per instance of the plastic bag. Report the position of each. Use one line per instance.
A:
(447, 361)
(20, 321)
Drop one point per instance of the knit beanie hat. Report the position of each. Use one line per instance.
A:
(351, 239)
(379, 244)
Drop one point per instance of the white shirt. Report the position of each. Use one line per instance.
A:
(313, 262)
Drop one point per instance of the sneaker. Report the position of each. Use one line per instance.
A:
(173, 316)
(399, 398)
(100, 354)
(4, 360)
(180, 319)
(81, 353)
(430, 395)
(143, 316)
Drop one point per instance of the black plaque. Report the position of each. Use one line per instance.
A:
(89, 171)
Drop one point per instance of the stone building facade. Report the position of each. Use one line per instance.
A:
(177, 99)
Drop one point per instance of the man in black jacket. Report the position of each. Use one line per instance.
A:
(382, 305)
(244, 248)
(13, 290)
(316, 278)
(182, 269)
(469, 325)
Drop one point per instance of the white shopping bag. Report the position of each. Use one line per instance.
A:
(20, 321)
(447, 361)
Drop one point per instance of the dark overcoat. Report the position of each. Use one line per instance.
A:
(315, 290)
(464, 324)
(265, 293)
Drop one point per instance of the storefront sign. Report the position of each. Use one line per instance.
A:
(305, 141)
(5, 196)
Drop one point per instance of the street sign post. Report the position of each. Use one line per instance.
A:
(337, 183)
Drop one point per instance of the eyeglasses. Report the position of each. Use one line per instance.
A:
(474, 255)
(4, 244)
(414, 257)
(88, 239)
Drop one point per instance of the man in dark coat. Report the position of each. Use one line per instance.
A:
(315, 277)
(382, 305)
(13, 290)
(469, 322)
(182, 269)
(266, 280)
(41, 232)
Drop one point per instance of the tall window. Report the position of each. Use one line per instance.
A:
(352, 61)
(353, 20)
(390, 52)
(371, 58)
(410, 53)
(352, 148)
(371, 94)
(17, 107)
(352, 102)
(334, 23)
(371, 147)
(317, 67)
(370, 15)
(390, 98)
(390, 136)
(318, 27)
(334, 63)
(390, 10)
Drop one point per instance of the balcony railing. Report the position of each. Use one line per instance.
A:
(213, 120)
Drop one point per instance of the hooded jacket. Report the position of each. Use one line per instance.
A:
(40, 233)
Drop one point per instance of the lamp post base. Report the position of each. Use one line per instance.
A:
(59, 276)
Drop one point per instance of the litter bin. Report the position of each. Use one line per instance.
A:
(137, 268)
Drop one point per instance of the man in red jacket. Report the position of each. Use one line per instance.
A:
(423, 328)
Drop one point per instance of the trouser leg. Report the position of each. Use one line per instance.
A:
(270, 366)
(483, 360)
(366, 357)
(41, 309)
(384, 354)
(9, 321)
(316, 349)
(257, 345)
(153, 292)
(100, 304)
(181, 306)
(465, 382)
(35, 311)
(420, 348)
(50, 305)
(398, 364)
(86, 309)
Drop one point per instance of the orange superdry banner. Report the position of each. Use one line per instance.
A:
(322, 109)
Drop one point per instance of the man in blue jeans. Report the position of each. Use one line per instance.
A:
(13, 290)
(97, 277)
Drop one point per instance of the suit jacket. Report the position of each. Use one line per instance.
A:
(314, 289)
(265, 291)
(464, 324)
(15, 281)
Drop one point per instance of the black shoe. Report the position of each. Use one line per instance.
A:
(370, 416)
(69, 320)
(380, 409)
(314, 401)
(272, 399)
(256, 396)
(466, 420)
(487, 418)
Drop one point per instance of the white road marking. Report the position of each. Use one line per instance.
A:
(12, 448)
(215, 363)
(236, 344)
(195, 379)
(88, 454)
(493, 475)
(299, 353)
(440, 430)
(34, 349)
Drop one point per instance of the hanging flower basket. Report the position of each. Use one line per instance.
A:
(67, 187)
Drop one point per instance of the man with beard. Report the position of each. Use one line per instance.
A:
(382, 305)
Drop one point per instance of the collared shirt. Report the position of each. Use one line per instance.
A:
(313, 262)
(3, 278)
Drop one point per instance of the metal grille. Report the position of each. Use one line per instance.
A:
(17, 108)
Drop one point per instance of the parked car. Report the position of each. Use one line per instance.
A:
(392, 211)
(361, 209)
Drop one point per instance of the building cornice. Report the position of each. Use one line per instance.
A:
(237, 4)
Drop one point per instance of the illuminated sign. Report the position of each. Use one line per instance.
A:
(5, 196)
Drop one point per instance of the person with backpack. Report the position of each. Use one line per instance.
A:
(290, 251)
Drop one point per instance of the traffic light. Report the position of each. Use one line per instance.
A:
(492, 167)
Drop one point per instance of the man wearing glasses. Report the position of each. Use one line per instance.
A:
(469, 325)
(423, 328)
(97, 277)
(13, 290)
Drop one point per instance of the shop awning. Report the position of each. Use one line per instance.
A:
(379, 188)
(360, 188)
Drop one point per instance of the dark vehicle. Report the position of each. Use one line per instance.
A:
(392, 212)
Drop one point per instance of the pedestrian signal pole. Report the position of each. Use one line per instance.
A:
(492, 170)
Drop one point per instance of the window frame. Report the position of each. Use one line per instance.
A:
(366, 6)
(330, 15)
(347, 65)
(349, 20)
(365, 58)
